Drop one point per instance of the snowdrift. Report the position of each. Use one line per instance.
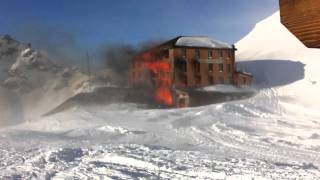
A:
(278, 59)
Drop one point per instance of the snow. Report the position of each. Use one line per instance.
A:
(273, 135)
(291, 60)
(201, 41)
(227, 89)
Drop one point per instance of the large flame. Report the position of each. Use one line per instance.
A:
(161, 73)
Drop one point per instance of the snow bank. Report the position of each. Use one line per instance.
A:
(227, 89)
(291, 68)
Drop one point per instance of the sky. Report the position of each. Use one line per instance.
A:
(89, 24)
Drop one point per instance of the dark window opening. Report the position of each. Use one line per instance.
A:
(210, 67)
(209, 54)
(221, 53)
(197, 53)
(197, 66)
(181, 66)
(221, 67)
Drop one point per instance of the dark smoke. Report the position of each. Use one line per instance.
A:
(118, 56)
(60, 44)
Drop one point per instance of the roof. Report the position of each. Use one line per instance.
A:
(200, 41)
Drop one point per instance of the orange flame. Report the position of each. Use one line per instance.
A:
(164, 95)
(161, 72)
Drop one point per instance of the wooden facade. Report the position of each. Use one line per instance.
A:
(302, 18)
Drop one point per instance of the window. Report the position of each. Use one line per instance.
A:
(229, 68)
(209, 54)
(221, 53)
(183, 52)
(197, 53)
(210, 67)
(221, 67)
(197, 66)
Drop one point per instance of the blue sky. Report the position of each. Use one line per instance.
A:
(93, 23)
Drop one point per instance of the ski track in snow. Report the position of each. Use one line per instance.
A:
(273, 135)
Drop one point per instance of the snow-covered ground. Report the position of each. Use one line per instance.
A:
(273, 135)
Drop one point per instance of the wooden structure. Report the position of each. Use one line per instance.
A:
(302, 18)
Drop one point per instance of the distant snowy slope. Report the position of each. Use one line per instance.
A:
(277, 58)
(32, 83)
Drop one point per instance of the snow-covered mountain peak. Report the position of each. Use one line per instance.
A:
(277, 58)
(271, 40)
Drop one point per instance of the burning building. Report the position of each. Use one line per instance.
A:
(182, 63)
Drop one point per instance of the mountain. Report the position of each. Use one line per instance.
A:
(32, 83)
(278, 59)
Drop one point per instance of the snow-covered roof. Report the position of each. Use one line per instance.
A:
(200, 41)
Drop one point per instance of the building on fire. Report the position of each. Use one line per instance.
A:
(186, 62)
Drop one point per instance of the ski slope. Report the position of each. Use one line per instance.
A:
(273, 135)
